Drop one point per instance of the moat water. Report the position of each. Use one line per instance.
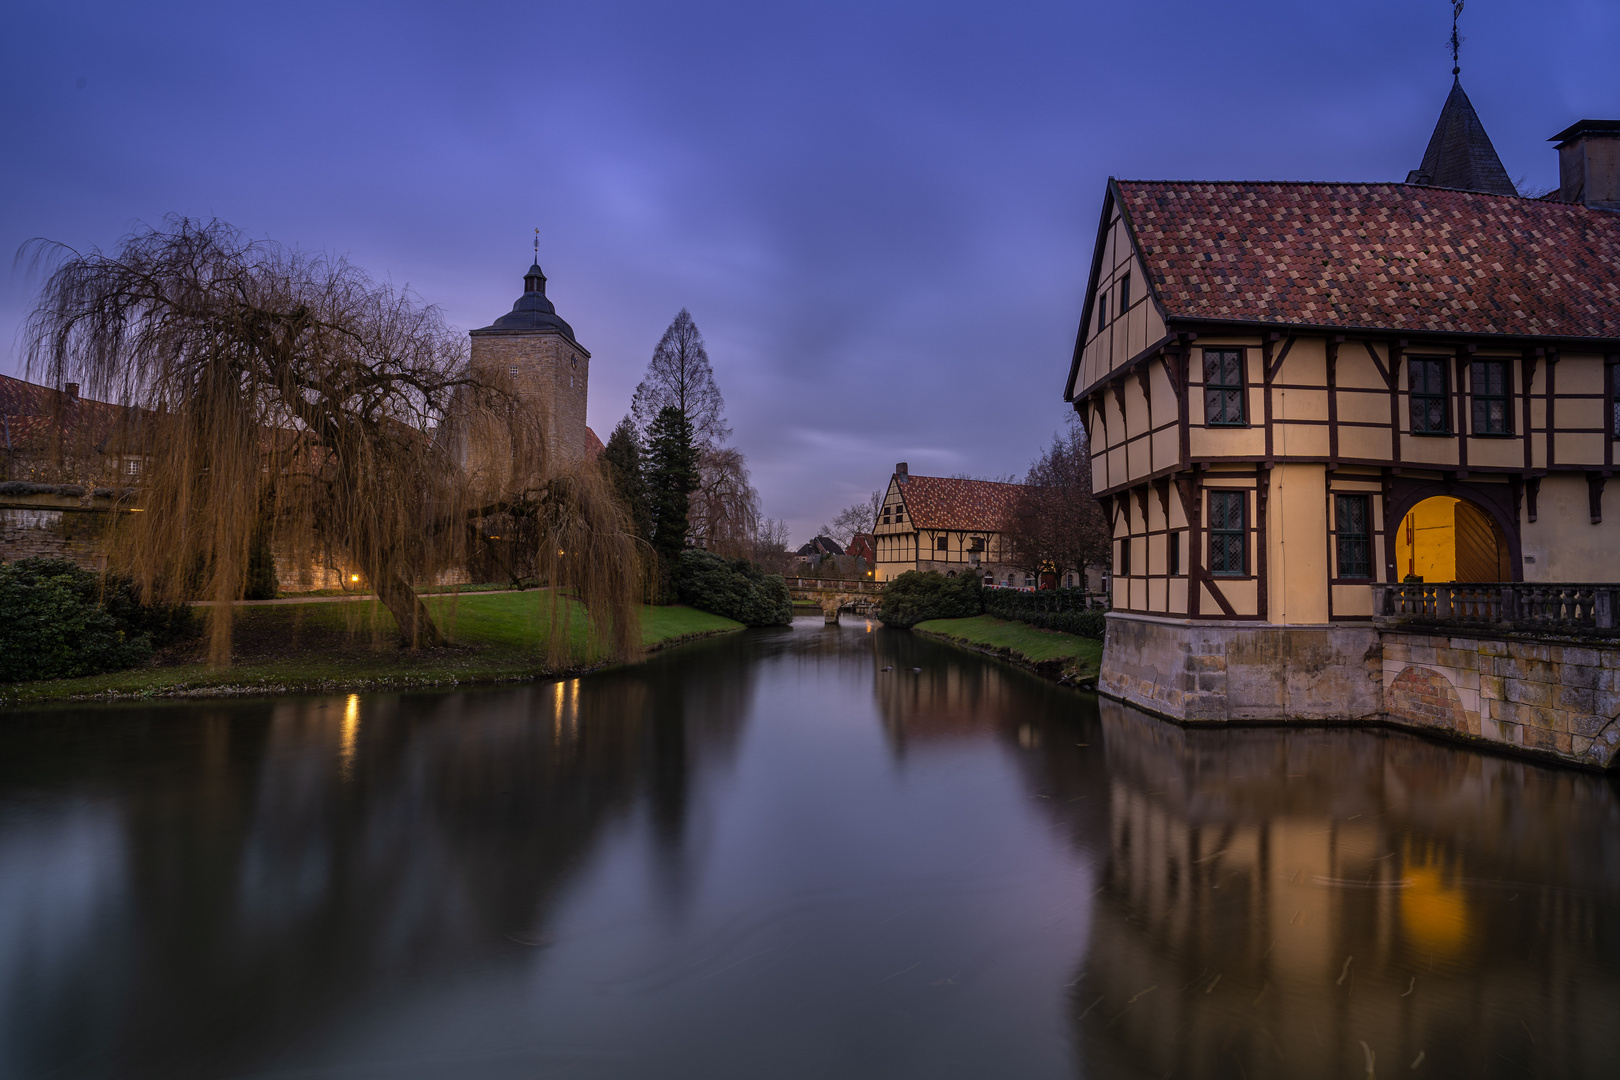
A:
(822, 852)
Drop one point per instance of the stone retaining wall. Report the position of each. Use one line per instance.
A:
(1554, 697)
(1558, 698)
(1232, 671)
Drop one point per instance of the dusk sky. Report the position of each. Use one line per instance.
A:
(880, 214)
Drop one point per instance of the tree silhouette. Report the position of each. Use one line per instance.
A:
(679, 375)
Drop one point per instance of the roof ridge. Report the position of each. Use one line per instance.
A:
(1352, 183)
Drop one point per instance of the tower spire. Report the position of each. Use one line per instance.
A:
(1456, 39)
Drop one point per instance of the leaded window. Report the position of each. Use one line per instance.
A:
(1173, 556)
(1124, 294)
(1430, 414)
(1228, 532)
(1352, 517)
(1125, 556)
(1489, 387)
(1223, 386)
(1614, 396)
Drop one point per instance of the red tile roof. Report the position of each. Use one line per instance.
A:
(33, 418)
(1377, 256)
(939, 502)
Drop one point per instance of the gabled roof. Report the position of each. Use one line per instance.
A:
(34, 418)
(1460, 154)
(821, 545)
(940, 502)
(1376, 256)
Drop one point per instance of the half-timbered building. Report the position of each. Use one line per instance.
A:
(1297, 391)
(945, 524)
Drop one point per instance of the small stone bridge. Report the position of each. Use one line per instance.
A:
(837, 594)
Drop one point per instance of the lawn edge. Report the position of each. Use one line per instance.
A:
(1056, 669)
(367, 684)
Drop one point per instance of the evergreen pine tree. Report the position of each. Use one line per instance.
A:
(671, 478)
(626, 468)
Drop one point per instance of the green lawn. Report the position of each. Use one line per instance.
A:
(287, 648)
(1076, 657)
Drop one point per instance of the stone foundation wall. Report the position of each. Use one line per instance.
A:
(1228, 671)
(1554, 697)
(1558, 698)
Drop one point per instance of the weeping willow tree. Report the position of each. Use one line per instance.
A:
(285, 393)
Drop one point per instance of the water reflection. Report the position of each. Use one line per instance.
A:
(192, 891)
(829, 851)
(1328, 903)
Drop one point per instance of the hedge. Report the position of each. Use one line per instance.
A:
(1049, 609)
(59, 621)
(918, 595)
(733, 588)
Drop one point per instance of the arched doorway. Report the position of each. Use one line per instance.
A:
(1448, 539)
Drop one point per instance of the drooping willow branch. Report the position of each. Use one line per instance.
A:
(274, 392)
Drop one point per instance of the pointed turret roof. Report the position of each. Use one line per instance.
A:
(1460, 155)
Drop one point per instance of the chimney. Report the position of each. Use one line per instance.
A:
(1589, 163)
(900, 472)
(72, 391)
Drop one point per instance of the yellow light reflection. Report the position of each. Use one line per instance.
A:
(557, 715)
(1433, 912)
(351, 734)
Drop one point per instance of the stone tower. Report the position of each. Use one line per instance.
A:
(538, 351)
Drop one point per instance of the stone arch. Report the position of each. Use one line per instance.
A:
(1496, 501)
(1425, 698)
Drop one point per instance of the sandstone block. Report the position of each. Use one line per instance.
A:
(1577, 699)
(1527, 692)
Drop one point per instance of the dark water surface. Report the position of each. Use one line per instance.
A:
(768, 856)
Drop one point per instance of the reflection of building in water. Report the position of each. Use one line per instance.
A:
(1256, 921)
(966, 696)
(313, 857)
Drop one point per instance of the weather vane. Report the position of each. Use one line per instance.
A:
(537, 231)
(1456, 41)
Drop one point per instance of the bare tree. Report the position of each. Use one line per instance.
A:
(724, 510)
(860, 517)
(679, 374)
(286, 388)
(770, 546)
(1057, 523)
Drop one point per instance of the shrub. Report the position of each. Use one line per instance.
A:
(917, 595)
(58, 621)
(1048, 609)
(734, 588)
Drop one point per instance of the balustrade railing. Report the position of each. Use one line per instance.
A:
(837, 585)
(1554, 607)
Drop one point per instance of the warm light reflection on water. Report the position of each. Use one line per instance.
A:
(830, 852)
(351, 734)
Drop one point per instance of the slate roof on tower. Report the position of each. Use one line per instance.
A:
(533, 312)
(1460, 154)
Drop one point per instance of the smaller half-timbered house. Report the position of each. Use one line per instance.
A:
(946, 524)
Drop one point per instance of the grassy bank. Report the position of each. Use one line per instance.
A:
(291, 648)
(1071, 658)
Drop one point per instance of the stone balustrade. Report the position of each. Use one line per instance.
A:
(1554, 607)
